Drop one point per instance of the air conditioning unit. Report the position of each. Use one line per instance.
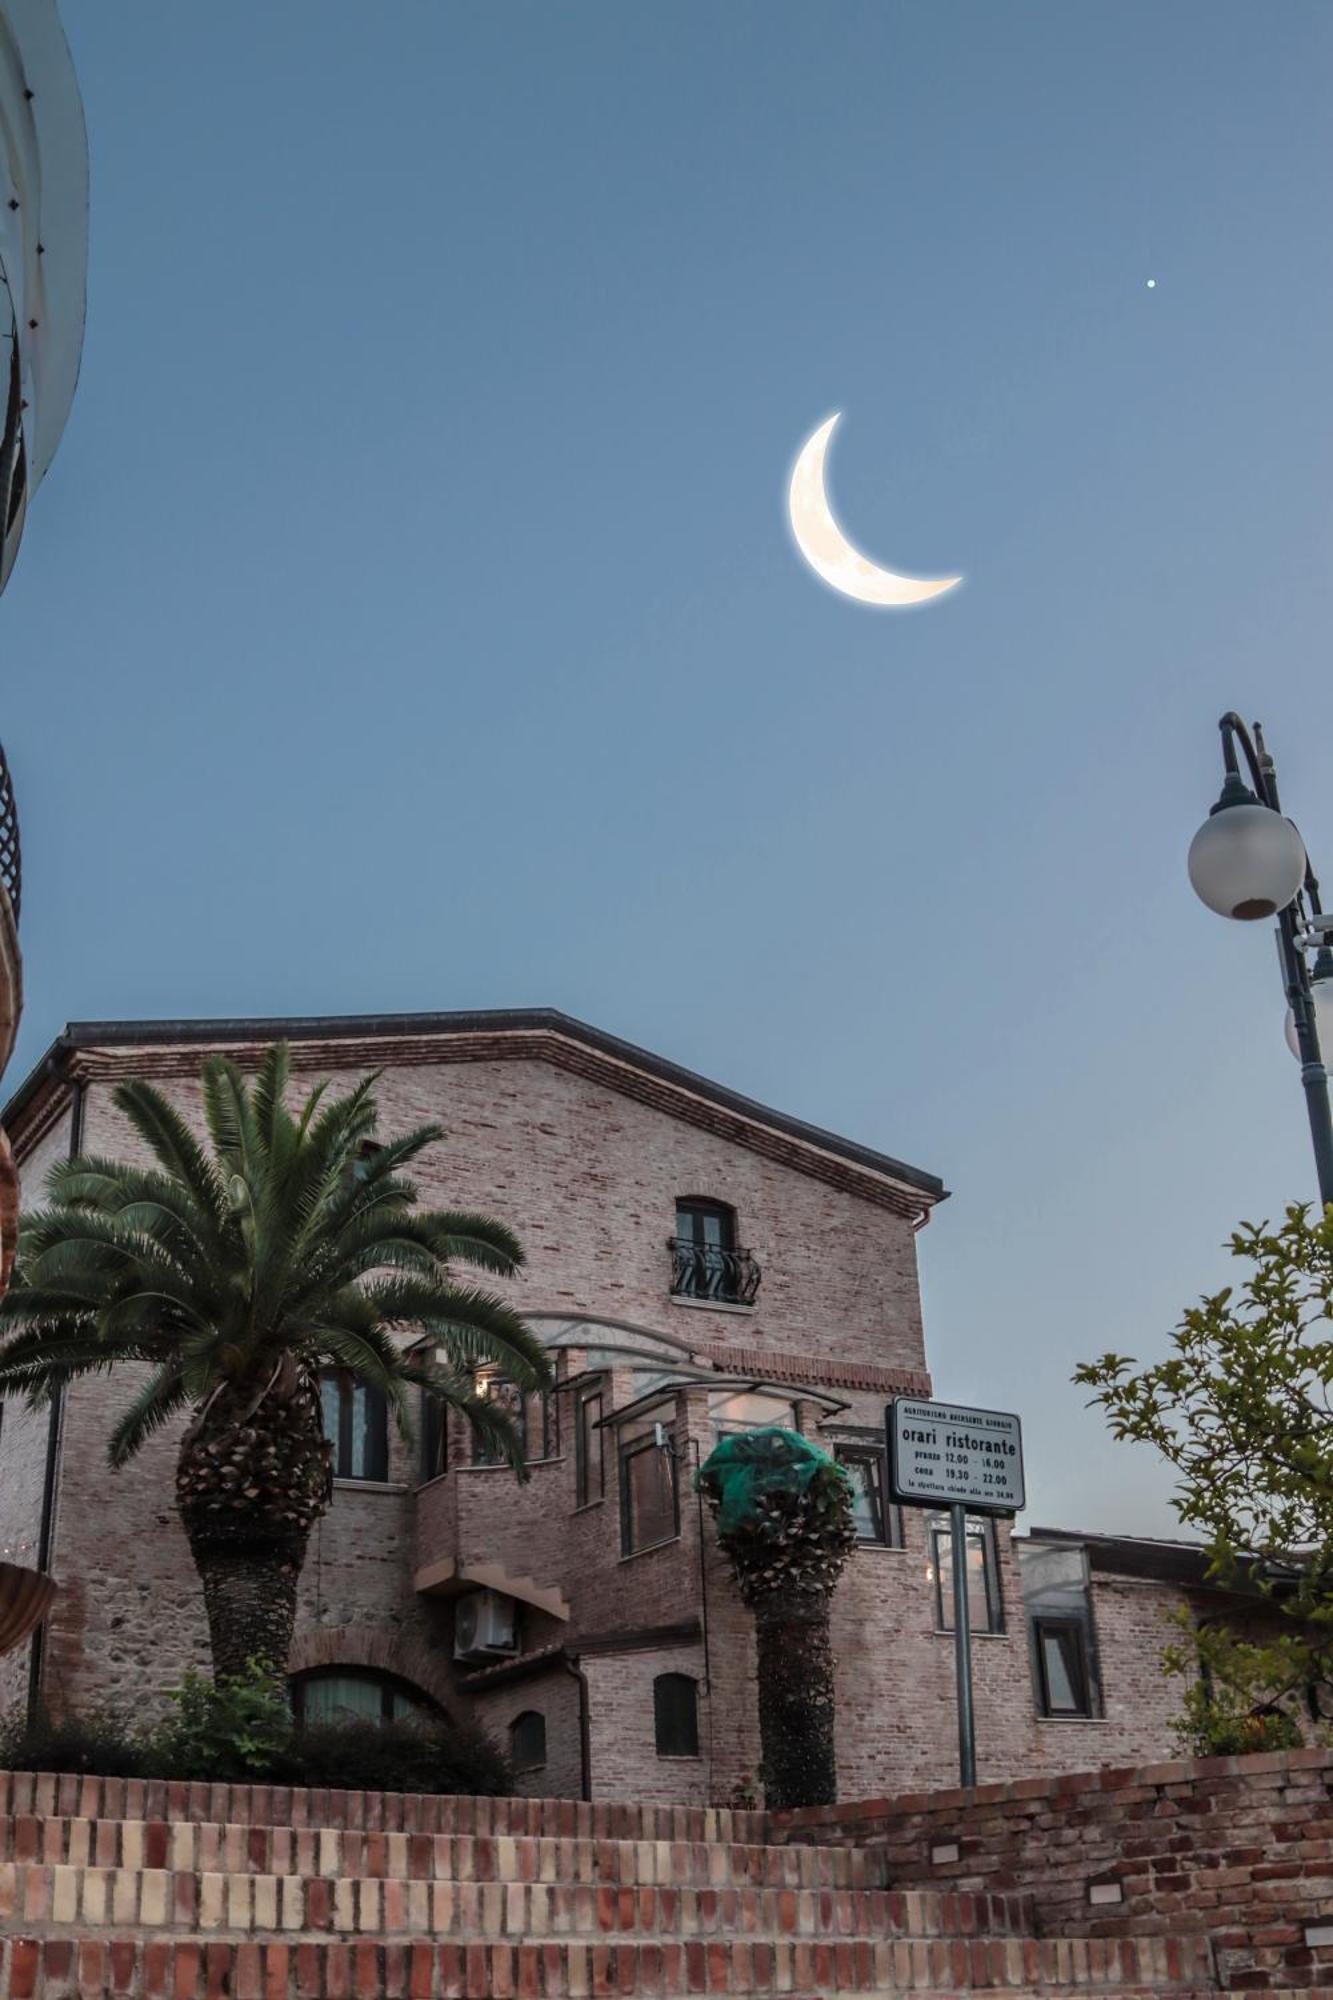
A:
(484, 1625)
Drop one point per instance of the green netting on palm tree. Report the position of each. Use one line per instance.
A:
(742, 1471)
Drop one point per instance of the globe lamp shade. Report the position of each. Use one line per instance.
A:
(1321, 988)
(1246, 861)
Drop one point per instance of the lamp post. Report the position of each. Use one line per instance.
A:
(1247, 861)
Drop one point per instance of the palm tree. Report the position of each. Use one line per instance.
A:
(228, 1280)
(784, 1521)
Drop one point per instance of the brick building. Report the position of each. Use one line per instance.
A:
(696, 1262)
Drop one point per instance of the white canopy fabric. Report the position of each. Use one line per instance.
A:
(43, 251)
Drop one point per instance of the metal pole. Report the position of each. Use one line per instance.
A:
(962, 1643)
(1314, 1076)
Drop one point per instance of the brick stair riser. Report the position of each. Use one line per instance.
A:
(444, 1857)
(39, 1894)
(46, 1796)
(56, 1968)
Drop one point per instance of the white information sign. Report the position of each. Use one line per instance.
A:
(946, 1454)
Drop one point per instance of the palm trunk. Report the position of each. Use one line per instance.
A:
(796, 1698)
(250, 1599)
(252, 1479)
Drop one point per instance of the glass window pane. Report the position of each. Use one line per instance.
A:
(650, 1496)
(527, 1735)
(1060, 1668)
(369, 1454)
(979, 1596)
(342, 1698)
(588, 1445)
(498, 1389)
(749, 1410)
(358, 1462)
(676, 1715)
(434, 1438)
(330, 1399)
(863, 1469)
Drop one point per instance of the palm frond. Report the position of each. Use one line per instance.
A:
(172, 1143)
(476, 1240)
(482, 1330)
(491, 1423)
(162, 1396)
(214, 1267)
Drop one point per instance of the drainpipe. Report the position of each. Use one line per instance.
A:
(585, 1729)
(54, 1435)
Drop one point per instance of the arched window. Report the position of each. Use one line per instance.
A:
(356, 1694)
(676, 1715)
(527, 1740)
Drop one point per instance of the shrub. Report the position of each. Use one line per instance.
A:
(1210, 1734)
(237, 1730)
(240, 1731)
(408, 1756)
(95, 1742)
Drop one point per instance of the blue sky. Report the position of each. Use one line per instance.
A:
(409, 619)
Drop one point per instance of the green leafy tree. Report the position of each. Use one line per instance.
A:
(1240, 1693)
(1240, 1409)
(784, 1519)
(226, 1279)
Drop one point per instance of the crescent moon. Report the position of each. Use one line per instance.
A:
(827, 549)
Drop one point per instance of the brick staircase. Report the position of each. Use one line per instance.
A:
(179, 1892)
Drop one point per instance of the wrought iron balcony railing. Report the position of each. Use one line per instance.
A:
(706, 1271)
(11, 870)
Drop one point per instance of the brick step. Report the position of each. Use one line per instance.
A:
(286, 1850)
(73, 1796)
(55, 1968)
(60, 1894)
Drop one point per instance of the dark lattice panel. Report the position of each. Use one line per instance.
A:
(11, 859)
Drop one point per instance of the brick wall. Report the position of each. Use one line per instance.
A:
(1240, 1848)
(555, 1697)
(625, 1763)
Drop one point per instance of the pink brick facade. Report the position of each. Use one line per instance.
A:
(585, 1155)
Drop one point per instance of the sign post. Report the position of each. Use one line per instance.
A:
(970, 1461)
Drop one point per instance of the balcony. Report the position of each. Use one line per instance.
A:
(714, 1276)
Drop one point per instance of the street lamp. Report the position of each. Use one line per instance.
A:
(1248, 861)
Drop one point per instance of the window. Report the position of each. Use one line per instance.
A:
(877, 1519)
(706, 1260)
(535, 1417)
(676, 1715)
(749, 1410)
(1062, 1667)
(649, 1500)
(356, 1423)
(983, 1580)
(527, 1741)
(351, 1694)
(1058, 1601)
(589, 1466)
(434, 1437)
